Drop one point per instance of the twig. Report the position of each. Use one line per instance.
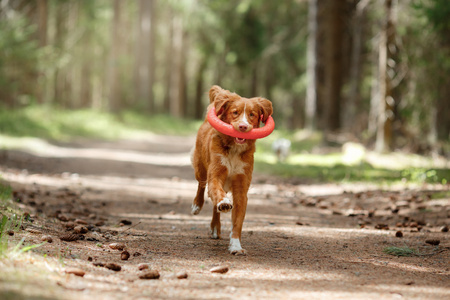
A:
(130, 228)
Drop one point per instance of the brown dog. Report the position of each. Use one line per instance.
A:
(225, 163)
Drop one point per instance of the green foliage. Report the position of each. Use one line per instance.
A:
(18, 59)
(11, 220)
(329, 168)
(335, 167)
(5, 193)
(437, 12)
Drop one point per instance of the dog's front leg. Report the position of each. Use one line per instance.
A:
(221, 204)
(216, 181)
(240, 186)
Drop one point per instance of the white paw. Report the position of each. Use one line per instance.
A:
(224, 206)
(195, 210)
(235, 247)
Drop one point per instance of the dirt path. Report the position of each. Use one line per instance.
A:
(303, 242)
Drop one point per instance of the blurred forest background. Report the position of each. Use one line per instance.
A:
(374, 71)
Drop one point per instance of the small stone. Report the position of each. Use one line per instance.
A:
(80, 229)
(382, 226)
(219, 269)
(126, 222)
(135, 254)
(100, 223)
(142, 267)
(80, 221)
(63, 217)
(433, 242)
(113, 266)
(399, 234)
(89, 258)
(99, 264)
(75, 271)
(153, 274)
(47, 238)
(413, 224)
(182, 275)
(125, 255)
(117, 246)
(444, 228)
(10, 232)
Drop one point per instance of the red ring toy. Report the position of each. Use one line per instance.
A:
(228, 129)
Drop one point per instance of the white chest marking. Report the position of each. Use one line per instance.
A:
(233, 163)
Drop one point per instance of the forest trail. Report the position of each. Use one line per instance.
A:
(322, 241)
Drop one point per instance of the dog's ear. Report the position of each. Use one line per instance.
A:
(266, 108)
(214, 92)
(219, 97)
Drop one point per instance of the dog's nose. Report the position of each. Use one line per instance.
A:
(243, 127)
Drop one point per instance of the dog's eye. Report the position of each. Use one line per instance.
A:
(252, 115)
(235, 113)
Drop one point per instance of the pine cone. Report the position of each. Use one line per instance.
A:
(69, 237)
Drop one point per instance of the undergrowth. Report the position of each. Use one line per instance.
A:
(57, 124)
(11, 221)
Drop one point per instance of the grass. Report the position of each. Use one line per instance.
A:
(11, 219)
(55, 124)
(400, 251)
(354, 163)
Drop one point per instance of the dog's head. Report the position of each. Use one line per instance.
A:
(243, 114)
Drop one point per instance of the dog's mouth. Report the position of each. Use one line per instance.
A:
(239, 140)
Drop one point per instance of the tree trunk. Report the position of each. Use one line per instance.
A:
(168, 63)
(176, 84)
(254, 79)
(42, 10)
(200, 93)
(353, 106)
(386, 104)
(113, 67)
(333, 64)
(59, 77)
(145, 61)
(42, 22)
(182, 83)
(311, 68)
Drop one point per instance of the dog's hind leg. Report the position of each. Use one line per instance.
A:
(197, 204)
(215, 224)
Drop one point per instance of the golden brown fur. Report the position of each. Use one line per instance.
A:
(225, 163)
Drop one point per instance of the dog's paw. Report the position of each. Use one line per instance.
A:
(224, 206)
(214, 234)
(238, 252)
(235, 247)
(195, 209)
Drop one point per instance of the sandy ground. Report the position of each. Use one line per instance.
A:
(321, 241)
